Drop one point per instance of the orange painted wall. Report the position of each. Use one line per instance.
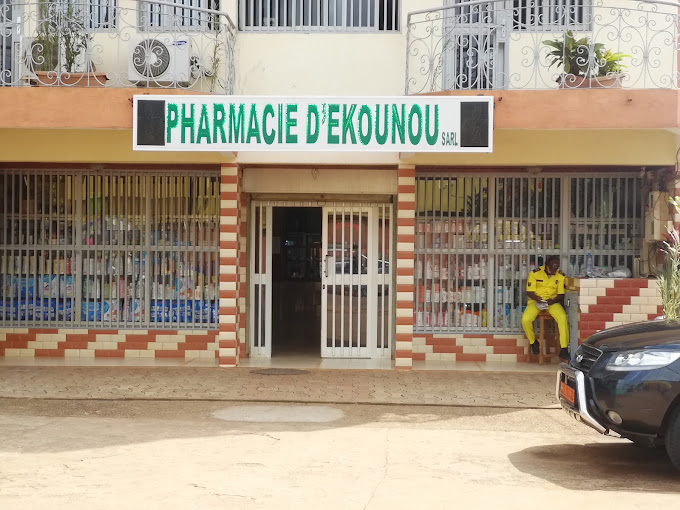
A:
(110, 108)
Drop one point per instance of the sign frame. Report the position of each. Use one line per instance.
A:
(411, 124)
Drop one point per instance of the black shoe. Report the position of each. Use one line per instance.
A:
(535, 348)
(564, 354)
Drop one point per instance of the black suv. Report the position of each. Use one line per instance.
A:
(627, 380)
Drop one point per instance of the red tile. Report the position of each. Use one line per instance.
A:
(501, 342)
(470, 357)
(169, 354)
(458, 349)
(109, 353)
(508, 350)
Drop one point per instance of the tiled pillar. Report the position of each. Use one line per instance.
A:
(405, 262)
(228, 353)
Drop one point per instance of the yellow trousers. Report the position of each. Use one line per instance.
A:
(557, 312)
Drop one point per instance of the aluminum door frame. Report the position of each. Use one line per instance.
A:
(377, 340)
(260, 344)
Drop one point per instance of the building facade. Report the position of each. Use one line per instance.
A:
(403, 256)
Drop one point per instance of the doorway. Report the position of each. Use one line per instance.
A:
(321, 280)
(296, 281)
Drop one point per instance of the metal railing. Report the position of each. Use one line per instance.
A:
(117, 43)
(543, 44)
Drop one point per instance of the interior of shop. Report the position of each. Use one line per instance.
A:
(296, 281)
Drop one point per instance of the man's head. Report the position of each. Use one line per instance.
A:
(552, 264)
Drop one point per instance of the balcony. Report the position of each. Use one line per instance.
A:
(542, 45)
(118, 44)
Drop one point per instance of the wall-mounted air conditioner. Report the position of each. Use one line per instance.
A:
(160, 60)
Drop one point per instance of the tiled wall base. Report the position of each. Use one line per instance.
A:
(608, 302)
(98, 343)
(507, 348)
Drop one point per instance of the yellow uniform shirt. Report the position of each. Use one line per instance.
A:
(544, 286)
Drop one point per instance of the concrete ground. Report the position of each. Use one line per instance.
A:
(450, 388)
(166, 438)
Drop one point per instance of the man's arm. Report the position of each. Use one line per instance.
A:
(559, 299)
(531, 288)
(532, 295)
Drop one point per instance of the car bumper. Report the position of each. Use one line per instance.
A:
(574, 379)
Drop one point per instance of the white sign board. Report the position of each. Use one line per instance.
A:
(259, 123)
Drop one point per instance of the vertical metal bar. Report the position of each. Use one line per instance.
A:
(4, 271)
(352, 210)
(260, 270)
(330, 274)
(343, 281)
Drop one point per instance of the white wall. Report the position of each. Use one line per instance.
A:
(324, 63)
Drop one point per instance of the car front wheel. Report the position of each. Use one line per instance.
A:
(673, 437)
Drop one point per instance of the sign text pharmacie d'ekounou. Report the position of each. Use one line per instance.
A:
(257, 123)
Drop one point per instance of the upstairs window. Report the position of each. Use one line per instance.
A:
(320, 15)
(551, 15)
(183, 14)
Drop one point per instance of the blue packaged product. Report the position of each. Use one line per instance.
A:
(26, 287)
(65, 311)
(25, 309)
(66, 287)
(92, 311)
(160, 310)
(9, 309)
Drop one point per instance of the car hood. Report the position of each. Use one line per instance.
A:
(650, 334)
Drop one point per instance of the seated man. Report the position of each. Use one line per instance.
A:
(545, 290)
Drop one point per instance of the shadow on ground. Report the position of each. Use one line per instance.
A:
(49, 426)
(597, 466)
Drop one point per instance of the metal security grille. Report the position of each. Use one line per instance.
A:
(178, 13)
(355, 274)
(552, 15)
(319, 15)
(109, 249)
(473, 46)
(99, 14)
(477, 239)
(356, 281)
(605, 221)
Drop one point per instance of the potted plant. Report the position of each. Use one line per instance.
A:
(585, 64)
(59, 52)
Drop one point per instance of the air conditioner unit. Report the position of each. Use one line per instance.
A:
(160, 60)
(658, 219)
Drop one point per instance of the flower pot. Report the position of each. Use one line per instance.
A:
(52, 78)
(569, 81)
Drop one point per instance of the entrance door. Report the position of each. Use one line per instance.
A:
(356, 280)
(261, 280)
(356, 301)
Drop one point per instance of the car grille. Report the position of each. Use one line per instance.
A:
(585, 358)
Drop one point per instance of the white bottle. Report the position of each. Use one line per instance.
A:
(524, 271)
(482, 269)
(476, 272)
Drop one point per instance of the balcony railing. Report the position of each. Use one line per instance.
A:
(117, 43)
(543, 44)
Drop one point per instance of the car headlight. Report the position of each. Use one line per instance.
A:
(641, 360)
